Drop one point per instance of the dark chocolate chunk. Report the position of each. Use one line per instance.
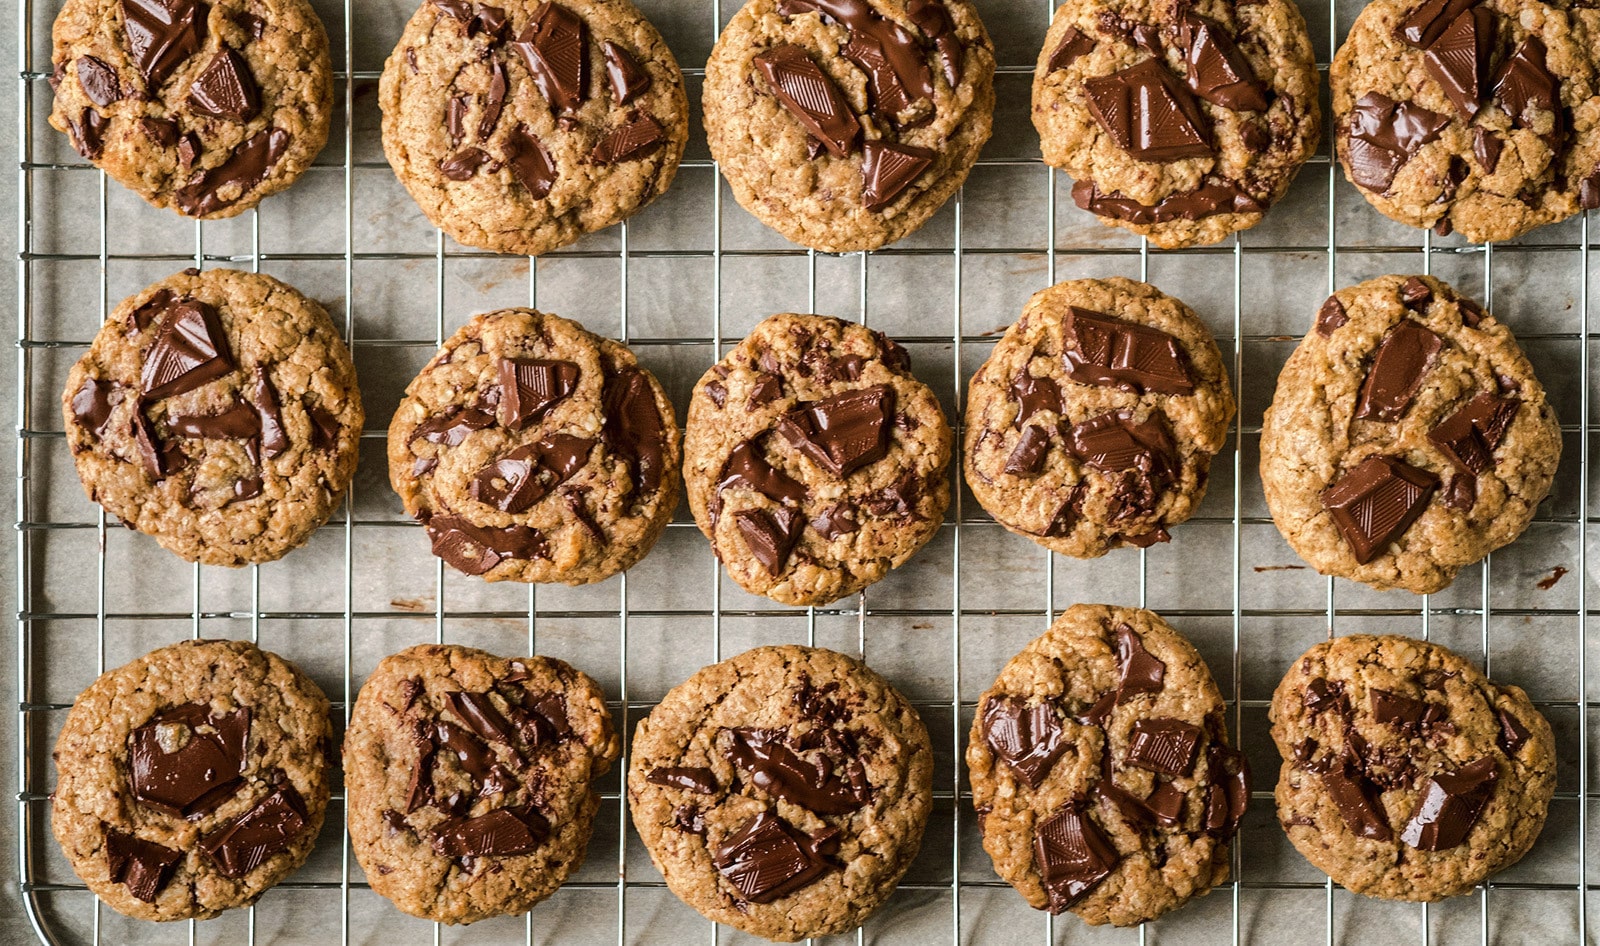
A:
(1416, 294)
(1459, 59)
(247, 841)
(1207, 200)
(1403, 712)
(160, 131)
(530, 163)
(1229, 795)
(189, 150)
(888, 169)
(269, 416)
(1331, 316)
(189, 350)
(530, 388)
(694, 779)
(455, 118)
(88, 133)
(1071, 855)
(1524, 85)
(770, 536)
(498, 833)
(1450, 805)
(747, 467)
(250, 23)
(1139, 670)
(1114, 353)
(845, 432)
(1027, 737)
(1356, 798)
(1406, 353)
(450, 429)
(835, 521)
(902, 50)
(810, 96)
(99, 81)
(1589, 190)
(888, 96)
(1074, 44)
(766, 859)
(718, 392)
(1148, 113)
(1383, 136)
(629, 80)
(478, 711)
(633, 139)
(555, 47)
(527, 474)
(766, 390)
(1513, 735)
(246, 167)
(92, 404)
(494, 99)
(778, 770)
(1027, 458)
(187, 761)
(1429, 20)
(161, 34)
(932, 17)
(1113, 443)
(488, 21)
(633, 428)
(460, 10)
(238, 421)
(226, 89)
(689, 819)
(475, 549)
(464, 163)
(475, 758)
(1470, 435)
(1034, 395)
(159, 459)
(144, 867)
(1215, 69)
(1164, 806)
(1374, 503)
(1164, 745)
(1487, 146)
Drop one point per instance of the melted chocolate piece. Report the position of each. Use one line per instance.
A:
(478, 711)
(488, 21)
(1589, 190)
(1425, 24)
(1487, 146)
(246, 167)
(529, 389)
(770, 536)
(776, 769)
(269, 417)
(499, 833)
(1406, 353)
(1163, 807)
(845, 432)
(690, 778)
(633, 428)
(932, 17)
(267, 829)
(1034, 395)
(810, 96)
(629, 80)
(1074, 44)
(1214, 68)
(451, 428)
(747, 467)
(1229, 794)
(1208, 200)
(1114, 353)
(250, 23)
(161, 34)
(160, 131)
(475, 550)
(1383, 136)
(1450, 805)
(640, 136)
(555, 47)
(904, 54)
(1470, 435)
(1027, 737)
(226, 89)
(455, 9)
(98, 80)
(158, 459)
(766, 858)
(92, 404)
(515, 482)
(1331, 317)
(144, 867)
(455, 118)
(718, 392)
(1459, 59)
(1416, 294)
(766, 390)
(464, 163)
(88, 133)
(1524, 86)
(1376, 502)
(1405, 713)
(1141, 671)
(1356, 798)
(175, 767)
(888, 169)
(494, 100)
(1148, 113)
(530, 163)
(239, 421)
(1164, 745)
(189, 150)
(1513, 735)
(835, 521)
(888, 96)
(1027, 458)
(1113, 443)
(1071, 855)
(475, 758)
(189, 350)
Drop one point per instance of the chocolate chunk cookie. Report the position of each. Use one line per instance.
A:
(193, 779)
(204, 107)
(1101, 769)
(1478, 116)
(532, 450)
(1094, 421)
(783, 792)
(846, 124)
(472, 779)
(217, 412)
(1407, 774)
(815, 460)
(521, 126)
(1408, 436)
(1180, 121)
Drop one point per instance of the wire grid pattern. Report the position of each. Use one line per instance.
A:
(57, 905)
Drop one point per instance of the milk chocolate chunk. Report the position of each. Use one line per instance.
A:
(1034, 395)
(629, 80)
(530, 163)
(144, 867)
(99, 81)
(92, 405)
(1114, 353)
(464, 163)
(189, 350)
(246, 167)
(767, 858)
(226, 89)
(1331, 316)
(1072, 856)
(747, 467)
(1027, 458)
(269, 416)
(498, 833)
(1207, 200)
(845, 432)
(530, 388)
(451, 428)
(246, 842)
(555, 47)
(633, 427)
(1404, 356)
(1164, 745)
(1374, 503)
(775, 768)
(1148, 113)
(1487, 146)
(810, 96)
(1384, 135)
(161, 34)
(1429, 20)
(1450, 805)
(1356, 799)
(1524, 85)
(1459, 59)
(475, 549)
(1215, 69)
(188, 760)
(1027, 737)
(690, 778)
(888, 169)
(770, 536)
(1074, 44)
(1470, 435)
(1513, 735)
(629, 141)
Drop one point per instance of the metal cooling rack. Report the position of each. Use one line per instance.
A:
(72, 609)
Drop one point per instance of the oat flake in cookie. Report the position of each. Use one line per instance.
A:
(519, 126)
(815, 461)
(783, 791)
(217, 412)
(532, 450)
(1183, 122)
(1478, 117)
(846, 124)
(1101, 769)
(1408, 437)
(204, 107)
(1407, 774)
(471, 779)
(1093, 422)
(191, 780)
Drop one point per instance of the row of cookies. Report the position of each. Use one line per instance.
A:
(785, 791)
(1409, 437)
(846, 124)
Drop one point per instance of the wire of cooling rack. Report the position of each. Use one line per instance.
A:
(36, 435)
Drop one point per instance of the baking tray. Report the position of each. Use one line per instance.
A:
(680, 283)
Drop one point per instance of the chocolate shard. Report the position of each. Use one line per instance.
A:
(634, 139)
(187, 761)
(144, 867)
(494, 100)
(159, 459)
(766, 390)
(836, 521)
(1028, 738)
(1450, 805)
(1139, 670)
(464, 163)
(844, 432)
(474, 757)
(1470, 435)
(1114, 443)
(778, 770)
(689, 778)
(1374, 503)
(770, 536)
(1383, 135)
(1149, 114)
(238, 421)
(1322, 696)
(888, 95)
(267, 829)
(451, 428)
(1524, 86)
(160, 131)
(1403, 712)
(92, 404)
(488, 21)
(530, 388)
(933, 18)
(475, 550)
(1115, 353)
(190, 349)
(633, 427)
(1356, 799)
(1331, 317)
(903, 51)
(1404, 356)
(1513, 735)
(455, 118)
(226, 89)
(1229, 795)
(1429, 20)
(1034, 395)
(499, 833)
(1207, 200)
(478, 711)
(1164, 806)
(747, 467)
(269, 416)
(98, 81)
(460, 10)
(888, 169)
(555, 47)
(1072, 856)
(810, 96)
(527, 474)
(246, 167)
(1487, 146)
(1459, 59)
(161, 34)
(629, 80)
(530, 163)
(1164, 745)
(766, 859)
(1027, 458)
(1074, 45)
(1215, 69)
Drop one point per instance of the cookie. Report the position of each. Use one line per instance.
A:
(783, 792)
(1481, 118)
(1101, 769)
(1093, 423)
(814, 460)
(1408, 436)
(1407, 774)
(205, 108)
(845, 124)
(191, 780)
(472, 779)
(1183, 122)
(532, 450)
(521, 126)
(216, 411)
